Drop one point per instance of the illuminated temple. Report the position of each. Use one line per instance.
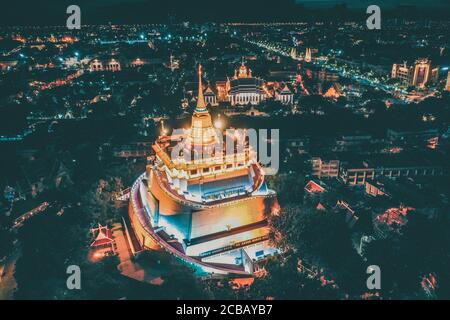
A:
(207, 208)
(244, 88)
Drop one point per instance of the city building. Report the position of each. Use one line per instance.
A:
(423, 73)
(112, 64)
(403, 73)
(132, 150)
(284, 95)
(244, 88)
(7, 64)
(333, 90)
(359, 172)
(325, 75)
(313, 187)
(250, 111)
(424, 194)
(203, 206)
(210, 96)
(103, 237)
(418, 75)
(411, 135)
(115, 63)
(324, 168)
(297, 145)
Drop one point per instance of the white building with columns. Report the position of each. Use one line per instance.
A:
(284, 95)
(245, 89)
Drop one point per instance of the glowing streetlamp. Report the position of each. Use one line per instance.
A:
(163, 129)
(218, 123)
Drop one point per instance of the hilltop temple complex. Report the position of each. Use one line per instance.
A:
(208, 208)
(244, 89)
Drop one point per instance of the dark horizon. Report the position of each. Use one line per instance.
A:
(47, 12)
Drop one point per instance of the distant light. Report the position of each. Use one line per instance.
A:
(21, 55)
(61, 59)
(445, 68)
(142, 36)
(77, 53)
(218, 124)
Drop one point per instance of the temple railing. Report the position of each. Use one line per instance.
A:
(234, 246)
(215, 204)
(142, 215)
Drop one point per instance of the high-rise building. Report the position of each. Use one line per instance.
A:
(419, 75)
(205, 207)
(403, 73)
(422, 73)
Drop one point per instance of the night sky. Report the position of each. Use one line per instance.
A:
(52, 12)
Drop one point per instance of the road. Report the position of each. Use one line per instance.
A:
(127, 266)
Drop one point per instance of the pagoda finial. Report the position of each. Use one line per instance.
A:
(201, 105)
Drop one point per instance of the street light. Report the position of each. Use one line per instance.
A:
(218, 123)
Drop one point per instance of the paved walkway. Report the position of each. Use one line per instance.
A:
(127, 266)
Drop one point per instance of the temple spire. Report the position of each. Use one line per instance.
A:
(201, 105)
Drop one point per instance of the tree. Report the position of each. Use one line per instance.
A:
(181, 283)
(289, 187)
(49, 244)
(423, 247)
(6, 240)
(285, 281)
(322, 239)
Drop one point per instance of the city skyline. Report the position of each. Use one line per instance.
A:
(144, 11)
(257, 151)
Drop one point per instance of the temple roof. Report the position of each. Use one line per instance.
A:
(241, 85)
(209, 91)
(104, 236)
(242, 72)
(201, 105)
(285, 90)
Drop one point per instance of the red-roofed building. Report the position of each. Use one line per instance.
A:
(314, 187)
(103, 237)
